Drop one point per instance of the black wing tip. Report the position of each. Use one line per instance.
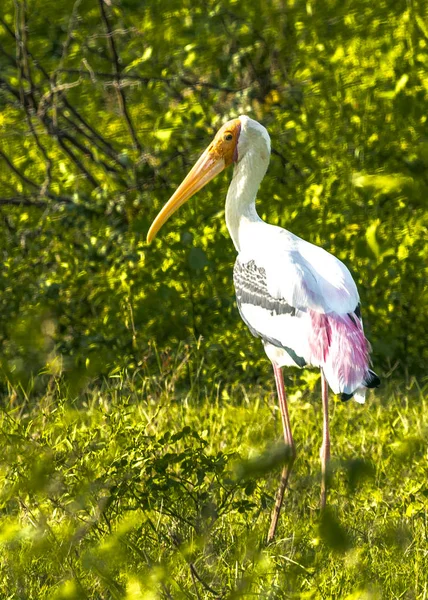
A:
(299, 360)
(371, 380)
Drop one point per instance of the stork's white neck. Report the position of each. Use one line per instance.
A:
(241, 212)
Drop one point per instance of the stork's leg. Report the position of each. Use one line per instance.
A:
(325, 448)
(288, 438)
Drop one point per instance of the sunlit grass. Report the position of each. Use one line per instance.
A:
(136, 488)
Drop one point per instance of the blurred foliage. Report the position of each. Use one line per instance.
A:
(134, 490)
(104, 107)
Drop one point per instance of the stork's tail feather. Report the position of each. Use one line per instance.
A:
(339, 346)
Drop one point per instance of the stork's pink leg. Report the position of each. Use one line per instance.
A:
(325, 448)
(288, 438)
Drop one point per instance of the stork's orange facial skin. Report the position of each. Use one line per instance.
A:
(225, 143)
(221, 153)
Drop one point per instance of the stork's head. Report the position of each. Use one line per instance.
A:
(231, 143)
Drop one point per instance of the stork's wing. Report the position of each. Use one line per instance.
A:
(285, 292)
(330, 281)
(252, 288)
(287, 274)
(265, 315)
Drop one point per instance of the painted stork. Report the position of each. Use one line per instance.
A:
(297, 298)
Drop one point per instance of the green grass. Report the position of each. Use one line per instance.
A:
(139, 489)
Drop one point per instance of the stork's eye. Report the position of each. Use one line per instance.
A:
(228, 137)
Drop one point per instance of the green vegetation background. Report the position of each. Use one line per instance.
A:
(104, 107)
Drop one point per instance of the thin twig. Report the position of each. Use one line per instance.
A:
(192, 575)
(114, 32)
(149, 79)
(202, 582)
(45, 99)
(176, 541)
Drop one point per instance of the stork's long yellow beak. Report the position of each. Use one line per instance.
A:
(219, 154)
(205, 169)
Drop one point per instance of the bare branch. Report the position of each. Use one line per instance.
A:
(76, 160)
(93, 141)
(24, 71)
(60, 135)
(23, 201)
(36, 62)
(49, 124)
(22, 54)
(18, 172)
(42, 149)
(24, 44)
(117, 74)
(41, 191)
(108, 147)
(35, 200)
